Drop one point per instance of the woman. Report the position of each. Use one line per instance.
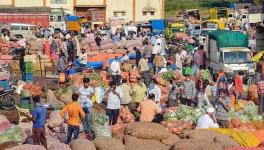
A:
(232, 93)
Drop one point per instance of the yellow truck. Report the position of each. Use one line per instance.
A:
(217, 13)
(73, 26)
(214, 24)
(174, 28)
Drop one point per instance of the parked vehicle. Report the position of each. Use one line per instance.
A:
(56, 18)
(214, 24)
(73, 26)
(255, 18)
(157, 26)
(130, 31)
(18, 29)
(173, 28)
(217, 13)
(193, 13)
(228, 51)
(195, 29)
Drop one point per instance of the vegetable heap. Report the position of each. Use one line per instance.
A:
(205, 75)
(184, 112)
(100, 119)
(249, 113)
(168, 75)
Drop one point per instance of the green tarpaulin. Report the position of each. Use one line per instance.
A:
(229, 38)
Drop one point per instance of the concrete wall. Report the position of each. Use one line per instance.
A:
(140, 4)
(5, 2)
(89, 2)
(28, 3)
(68, 5)
(119, 5)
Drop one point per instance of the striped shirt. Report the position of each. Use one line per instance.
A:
(221, 112)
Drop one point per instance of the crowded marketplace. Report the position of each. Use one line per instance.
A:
(123, 75)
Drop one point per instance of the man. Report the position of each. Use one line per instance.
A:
(70, 48)
(86, 92)
(222, 105)
(115, 95)
(261, 95)
(127, 91)
(138, 55)
(116, 70)
(202, 97)
(189, 92)
(149, 110)
(139, 91)
(143, 66)
(158, 62)
(38, 118)
(154, 89)
(125, 58)
(98, 40)
(155, 51)
(199, 57)
(83, 58)
(148, 51)
(74, 111)
(207, 120)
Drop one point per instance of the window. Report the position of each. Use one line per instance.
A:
(119, 13)
(24, 28)
(58, 1)
(32, 28)
(15, 27)
(59, 19)
(51, 18)
(144, 13)
(152, 13)
(123, 13)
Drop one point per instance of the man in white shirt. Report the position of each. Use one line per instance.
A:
(207, 120)
(155, 51)
(83, 58)
(86, 92)
(116, 70)
(115, 96)
(154, 89)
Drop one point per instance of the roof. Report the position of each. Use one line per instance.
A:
(25, 9)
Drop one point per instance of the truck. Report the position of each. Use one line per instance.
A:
(157, 26)
(173, 28)
(56, 18)
(228, 51)
(38, 17)
(219, 12)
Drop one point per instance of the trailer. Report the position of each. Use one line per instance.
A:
(37, 16)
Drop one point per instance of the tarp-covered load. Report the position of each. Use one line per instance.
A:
(229, 38)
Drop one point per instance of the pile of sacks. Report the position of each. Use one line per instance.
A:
(9, 132)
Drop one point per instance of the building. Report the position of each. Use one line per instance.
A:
(130, 10)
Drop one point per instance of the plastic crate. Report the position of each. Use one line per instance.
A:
(5, 84)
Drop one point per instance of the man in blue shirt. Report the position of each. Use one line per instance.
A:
(39, 115)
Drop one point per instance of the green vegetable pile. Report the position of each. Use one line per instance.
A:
(168, 75)
(13, 134)
(250, 113)
(93, 76)
(185, 112)
(205, 75)
(100, 119)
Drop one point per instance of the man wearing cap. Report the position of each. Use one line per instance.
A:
(207, 120)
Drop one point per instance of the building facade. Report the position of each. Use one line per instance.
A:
(130, 10)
